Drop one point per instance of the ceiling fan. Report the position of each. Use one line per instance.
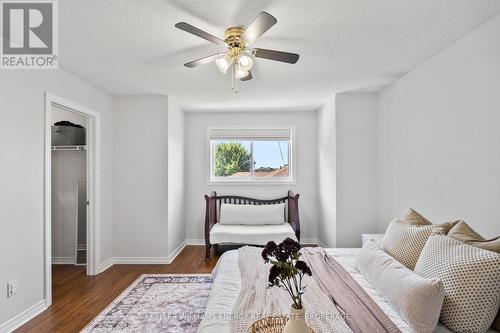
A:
(239, 56)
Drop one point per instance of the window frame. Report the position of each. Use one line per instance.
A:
(252, 180)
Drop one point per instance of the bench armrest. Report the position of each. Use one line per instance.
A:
(293, 213)
(210, 218)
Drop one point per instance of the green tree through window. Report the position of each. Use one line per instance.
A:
(231, 157)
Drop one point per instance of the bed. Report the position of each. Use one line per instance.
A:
(227, 282)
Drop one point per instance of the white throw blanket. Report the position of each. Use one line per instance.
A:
(257, 300)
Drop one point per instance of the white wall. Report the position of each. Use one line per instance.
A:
(439, 136)
(356, 166)
(22, 135)
(197, 166)
(347, 169)
(176, 176)
(327, 208)
(141, 177)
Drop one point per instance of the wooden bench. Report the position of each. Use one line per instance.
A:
(242, 233)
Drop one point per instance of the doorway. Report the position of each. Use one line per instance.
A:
(72, 193)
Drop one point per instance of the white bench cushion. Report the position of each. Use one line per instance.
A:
(250, 234)
(252, 214)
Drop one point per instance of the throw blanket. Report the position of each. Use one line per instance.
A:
(350, 310)
(361, 312)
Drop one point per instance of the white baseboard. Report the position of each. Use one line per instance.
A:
(309, 241)
(194, 241)
(140, 260)
(25, 316)
(63, 260)
(106, 264)
(158, 260)
(176, 252)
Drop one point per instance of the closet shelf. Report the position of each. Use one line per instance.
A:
(69, 147)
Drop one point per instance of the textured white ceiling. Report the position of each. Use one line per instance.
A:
(132, 46)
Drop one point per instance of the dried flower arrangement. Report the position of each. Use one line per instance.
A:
(287, 270)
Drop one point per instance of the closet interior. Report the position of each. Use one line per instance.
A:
(68, 187)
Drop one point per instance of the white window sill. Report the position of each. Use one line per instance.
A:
(251, 182)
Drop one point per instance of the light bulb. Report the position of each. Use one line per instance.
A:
(239, 72)
(224, 63)
(245, 62)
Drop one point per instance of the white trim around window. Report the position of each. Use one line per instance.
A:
(251, 133)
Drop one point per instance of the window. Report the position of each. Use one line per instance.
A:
(255, 155)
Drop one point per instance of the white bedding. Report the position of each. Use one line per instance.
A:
(227, 282)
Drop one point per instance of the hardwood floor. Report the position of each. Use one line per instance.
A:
(77, 298)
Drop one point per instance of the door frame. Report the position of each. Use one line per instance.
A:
(93, 137)
(77, 215)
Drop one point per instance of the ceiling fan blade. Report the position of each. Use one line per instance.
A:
(248, 77)
(290, 58)
(263, 22)
(204, 60)
(200, 33)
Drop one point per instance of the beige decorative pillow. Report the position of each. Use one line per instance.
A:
(416, 299)
(404, 241)
(462, 232)
(470, 277)
(415, 218)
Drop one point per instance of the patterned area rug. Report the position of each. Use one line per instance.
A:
(156, 303)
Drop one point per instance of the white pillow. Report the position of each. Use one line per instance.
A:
(252, 214)
(416, 299)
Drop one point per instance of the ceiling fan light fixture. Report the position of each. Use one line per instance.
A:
(245, 62)
(240, 72)
(238, 55)
(224, 63)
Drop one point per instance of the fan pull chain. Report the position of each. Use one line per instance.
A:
(232, 76)
(234, 80)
